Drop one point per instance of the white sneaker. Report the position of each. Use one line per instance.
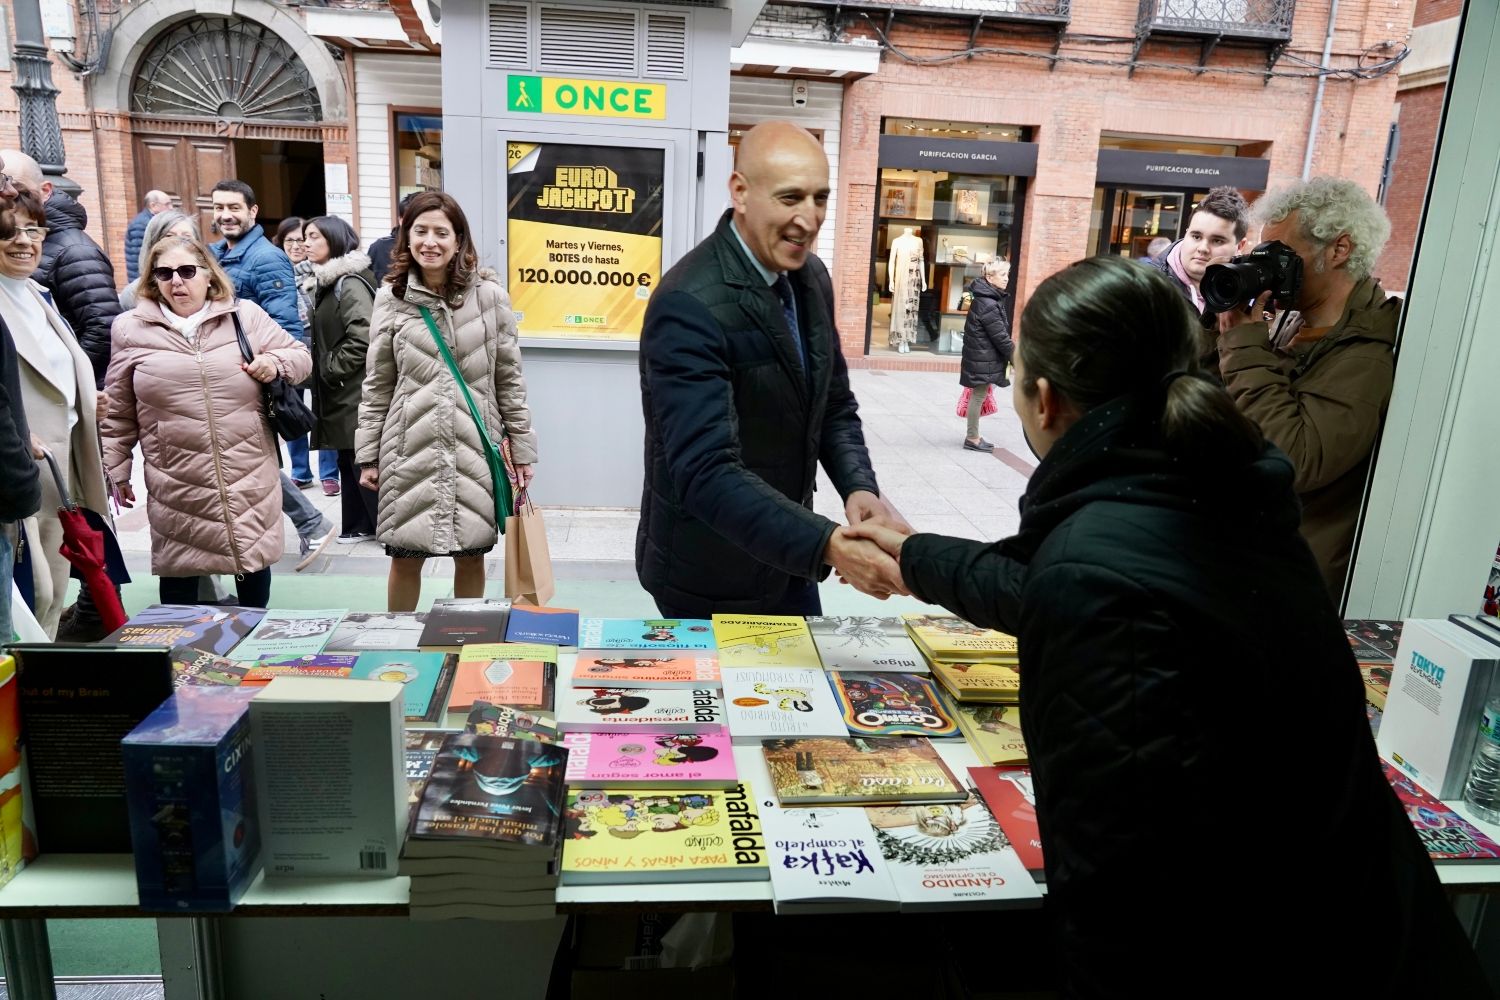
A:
(355, 536)
(312, 548)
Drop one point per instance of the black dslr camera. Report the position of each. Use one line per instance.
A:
(1271, 267)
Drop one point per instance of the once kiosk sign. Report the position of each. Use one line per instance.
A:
(551, 95)
(1182, 170)
(959, 156)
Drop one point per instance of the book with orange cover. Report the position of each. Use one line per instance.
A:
(504, 673)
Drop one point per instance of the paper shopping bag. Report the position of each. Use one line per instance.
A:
(528, 562)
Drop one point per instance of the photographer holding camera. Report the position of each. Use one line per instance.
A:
(1317, 379)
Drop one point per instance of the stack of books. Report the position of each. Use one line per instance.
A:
(979, 670)
(486, 833)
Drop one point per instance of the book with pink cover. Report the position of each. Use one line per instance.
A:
(664, 760)
(1446, 835)
(643, 670)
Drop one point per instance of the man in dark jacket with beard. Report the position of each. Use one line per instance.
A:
(745, 391)
(987, 344)
(74, 268)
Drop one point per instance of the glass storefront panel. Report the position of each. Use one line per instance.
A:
(934, 231)
(1126, 220)
(419, 153)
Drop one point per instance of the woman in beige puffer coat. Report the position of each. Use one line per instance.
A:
(179, 386)
(416, 442)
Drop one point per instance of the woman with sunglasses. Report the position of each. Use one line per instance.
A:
(57, 391)
(163, 224)
(181, 388)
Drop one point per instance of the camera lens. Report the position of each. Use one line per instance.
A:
(1233, 285)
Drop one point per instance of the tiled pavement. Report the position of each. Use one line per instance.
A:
(915, 441)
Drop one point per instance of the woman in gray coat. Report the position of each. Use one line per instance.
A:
(417, 442)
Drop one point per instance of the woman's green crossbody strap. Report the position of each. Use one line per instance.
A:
(501, 479)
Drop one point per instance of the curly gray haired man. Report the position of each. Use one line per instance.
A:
(1319, 381)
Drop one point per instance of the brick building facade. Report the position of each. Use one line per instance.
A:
(1420, 94)
(1070, 111)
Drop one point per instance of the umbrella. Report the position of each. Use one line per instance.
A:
(83, 547)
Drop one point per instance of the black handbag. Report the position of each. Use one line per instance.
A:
(288, 415)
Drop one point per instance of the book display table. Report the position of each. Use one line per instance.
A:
(347, 938)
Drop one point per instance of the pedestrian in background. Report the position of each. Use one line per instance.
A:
(380, 250)
(181, 388)
(1160, 524)
(987, 344)
(168, 223)
(154, 204)
(288, 240)
(343, 292)
(417, 442)
(20, 490)
(263, 274)
(74, 268)
(62, 406)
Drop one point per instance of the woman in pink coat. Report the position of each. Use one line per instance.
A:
(179, 386)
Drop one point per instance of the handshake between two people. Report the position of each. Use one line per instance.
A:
(866, 553)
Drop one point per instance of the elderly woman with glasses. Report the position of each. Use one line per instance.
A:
(57, 392)
(181, 388)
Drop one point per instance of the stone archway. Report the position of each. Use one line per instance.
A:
(141, 27)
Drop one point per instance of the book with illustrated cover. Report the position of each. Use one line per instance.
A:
(190, 785)
(285, 633)
(656, 760)
(892, 705)
(1012, 801)
(1373, 640)
(504, 720)
(626, 669)
(17, 833)
(863, 771)
(764, 703)
(764, 641)
(646, 633)
(993, 732)
(951, 857)
(647, 710)
(206, 627)
(1377, 678)
(825, 860)
(865, 643)
(992, 682)
(195, 667)
(1446, 835)
(419, 672)
(523, 675)
(644, 835)
(950, 638)
(419, 749)
(366, 630)
(462, 621)
(553, 626)
(312, 665)
(493, 790)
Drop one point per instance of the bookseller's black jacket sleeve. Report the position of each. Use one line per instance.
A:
(735, 429)
(1211, 806)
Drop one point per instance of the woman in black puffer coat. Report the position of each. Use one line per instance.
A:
(1213, 816)
(987, 344)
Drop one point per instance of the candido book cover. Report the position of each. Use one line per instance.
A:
(650, 835)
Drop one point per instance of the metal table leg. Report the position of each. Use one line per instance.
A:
(28, 959)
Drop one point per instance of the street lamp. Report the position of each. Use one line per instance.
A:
(41, 135)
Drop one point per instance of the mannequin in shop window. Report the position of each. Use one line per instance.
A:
(908, 279)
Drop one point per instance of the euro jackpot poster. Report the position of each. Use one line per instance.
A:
(584, 238)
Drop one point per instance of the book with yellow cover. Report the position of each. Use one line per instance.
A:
(993, 732)
(764, 641)
(950, 638)
(866, 770)
(989, 682)
(654, 835)
(17, 841)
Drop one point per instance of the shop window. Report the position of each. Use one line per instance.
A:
(1126, 221)
(417, 163)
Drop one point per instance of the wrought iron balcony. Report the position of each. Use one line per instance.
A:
(1052, 14)
(1264, 20)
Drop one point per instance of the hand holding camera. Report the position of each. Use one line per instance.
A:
(1252, 284)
